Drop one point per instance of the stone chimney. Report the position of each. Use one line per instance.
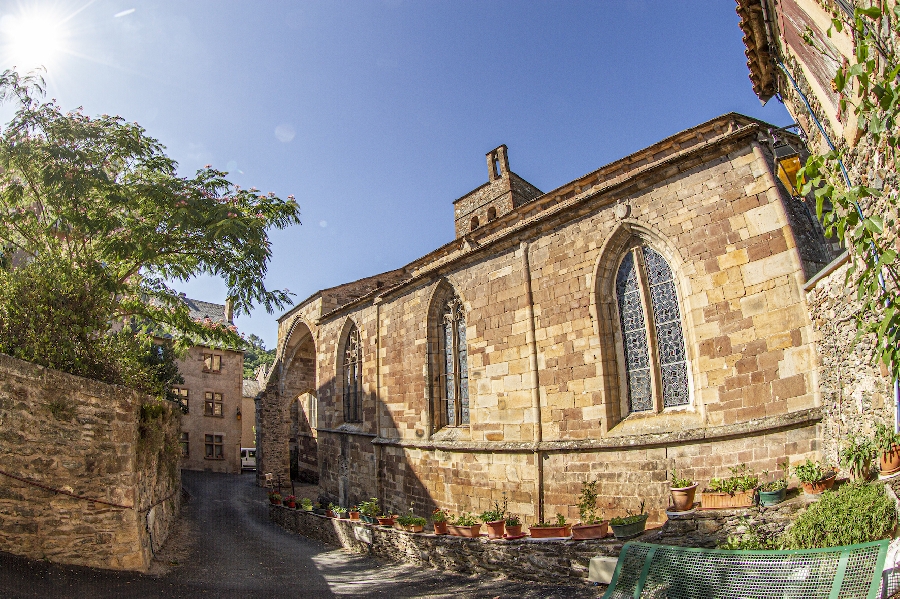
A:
(229, 311)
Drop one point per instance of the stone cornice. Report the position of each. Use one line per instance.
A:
(760, 426)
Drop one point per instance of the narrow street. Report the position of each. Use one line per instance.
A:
(226, 548)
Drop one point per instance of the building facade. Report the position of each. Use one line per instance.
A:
(211, 428)
(647, 317)
(793, 55)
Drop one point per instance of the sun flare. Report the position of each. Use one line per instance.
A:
(32, 39)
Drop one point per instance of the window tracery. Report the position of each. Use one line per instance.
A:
(453, 400)
(352, 376)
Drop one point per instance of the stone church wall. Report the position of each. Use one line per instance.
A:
(83, 438)
(544, 367)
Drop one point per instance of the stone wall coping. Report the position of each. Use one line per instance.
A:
(827, 270)
(555, 204)
(339, 431)
(758, 426)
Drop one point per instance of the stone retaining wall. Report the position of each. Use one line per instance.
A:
(83, 480)
(544, 561)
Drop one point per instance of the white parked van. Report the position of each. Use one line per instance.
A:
(248, 458)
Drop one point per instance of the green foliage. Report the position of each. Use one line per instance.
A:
(306, 504)
(99, 199)
(811, 472)
(778, 483)
(439, 516)
(740, 480)
(885, 438)
(678, 482)
(856, 513)
(255, 355)
(513, 520)
(497, 513)
(369, 508)
(559, 522)
(587, 503)
(464, 519)
(870, 86)
(857, 455)
(410, 519)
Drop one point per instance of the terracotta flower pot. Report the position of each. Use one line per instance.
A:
(821, 485)
(890, 461)
(386, 521)
(514, 531)
(409, 527)
(709, 500)
(590, 531)
(683, 498)
(291, 504)
(354, 515)
(329, 513)
(464, 531)
(440, 528)
(495, 529)
(274, 501)
(549, 532)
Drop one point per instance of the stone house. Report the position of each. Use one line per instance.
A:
(856, 393)
(211, 428)
(646, 317)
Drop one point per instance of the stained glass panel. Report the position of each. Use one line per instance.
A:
(463, 367)
(669, 336)
(352, 376)
(449, 364)
(634, 335)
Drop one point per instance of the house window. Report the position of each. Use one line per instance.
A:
(352, 377)
(185, 445)
(212, 404)
(212, 363)
(453, 401)
(182, 395)
(215, 448)
(655, 359)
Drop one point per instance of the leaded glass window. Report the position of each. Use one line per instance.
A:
(644, 278)
(352, 377)
(453, 403)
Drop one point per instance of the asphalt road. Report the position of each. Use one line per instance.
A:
(226, 548)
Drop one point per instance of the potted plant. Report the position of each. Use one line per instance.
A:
(354, 512)
(773, 491)
(815, 477)
(738, 490)
(888, 443)
(464, 525)
(368, 510)
(275, 498)
(290, 501)
(513, 527)
(592, 525)
(410, 522)
(319, 509)
(385, 520)
(340, 512)
(682, 491)
(550, 530)
(630, 525)
(331, 512)
(439, 520)
(857, 455)
(494, 520)
(306, 504)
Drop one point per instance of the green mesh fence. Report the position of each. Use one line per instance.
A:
(647, 571)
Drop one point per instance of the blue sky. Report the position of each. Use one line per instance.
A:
(377, 114)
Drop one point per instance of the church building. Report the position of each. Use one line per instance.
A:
(646, 318)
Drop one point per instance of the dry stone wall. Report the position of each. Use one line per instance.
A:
(118, 484)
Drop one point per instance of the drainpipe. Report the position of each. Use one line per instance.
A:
(378, 402)
(535, 383)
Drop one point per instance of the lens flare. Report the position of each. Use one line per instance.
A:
(31, 39)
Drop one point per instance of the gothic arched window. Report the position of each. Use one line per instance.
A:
(453, 396)
(352, 376)
(655, 359)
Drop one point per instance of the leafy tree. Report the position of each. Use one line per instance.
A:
(255, 355)
(96, 209)
(863, 217)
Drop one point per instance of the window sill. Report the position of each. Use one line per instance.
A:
(222, 459)
(453, 433)
(214, 415)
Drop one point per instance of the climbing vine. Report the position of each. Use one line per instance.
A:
(863, 217)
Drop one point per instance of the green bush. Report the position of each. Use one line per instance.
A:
(855, 513)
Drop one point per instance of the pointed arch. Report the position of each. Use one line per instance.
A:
(448, 372)
(350, 375)
(641, 323)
